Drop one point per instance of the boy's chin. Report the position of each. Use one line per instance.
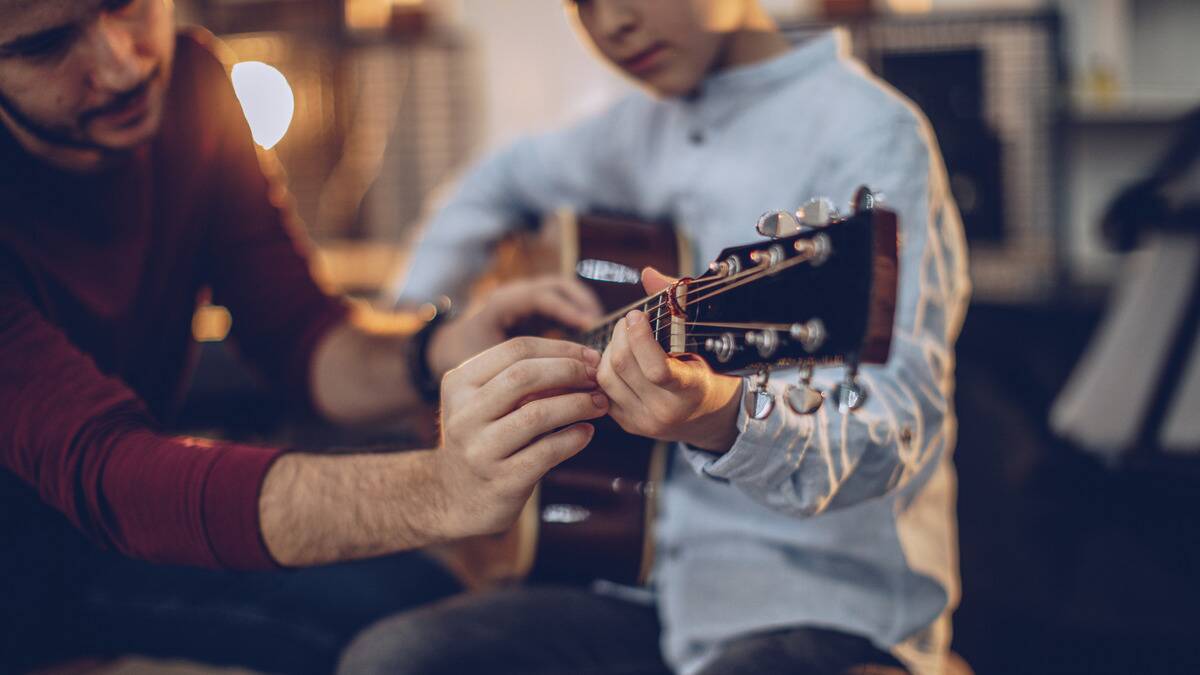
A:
(669, 87)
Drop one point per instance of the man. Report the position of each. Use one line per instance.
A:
(791, 544)
(128, 186)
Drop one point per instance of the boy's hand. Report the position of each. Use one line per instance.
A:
(674, 398)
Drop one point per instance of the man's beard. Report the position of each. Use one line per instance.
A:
(69, 137)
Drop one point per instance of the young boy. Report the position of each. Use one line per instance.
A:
(795, 543)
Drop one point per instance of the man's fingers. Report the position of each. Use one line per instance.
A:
(654, 281)
(531, 379)
(518, 428)
(651, 359)
(532, 462)
(483, 367)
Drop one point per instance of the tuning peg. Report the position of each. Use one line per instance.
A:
(810, 334)
(722, 347)
(758, 400)
(816, 250)
(818, 212)
(804, 398)
(776, 224)
(727, 267)
(849, 393)
(767, 341)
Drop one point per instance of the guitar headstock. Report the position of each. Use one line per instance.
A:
(821, 291)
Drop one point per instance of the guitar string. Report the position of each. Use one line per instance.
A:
(608, 322)
(611, 320)
(755, 273)
(724, 284)
(699, 285)
(765, 271)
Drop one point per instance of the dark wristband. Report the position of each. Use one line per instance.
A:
(427, 386)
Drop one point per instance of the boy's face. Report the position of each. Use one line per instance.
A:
(667, 45)
(88, 74)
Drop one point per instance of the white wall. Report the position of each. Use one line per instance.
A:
(535, 73)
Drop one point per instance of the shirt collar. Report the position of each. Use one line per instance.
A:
(723, 93)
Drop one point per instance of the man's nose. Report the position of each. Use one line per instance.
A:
(116, 64)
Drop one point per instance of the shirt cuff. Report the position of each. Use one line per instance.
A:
(754, 451)
(230, 503)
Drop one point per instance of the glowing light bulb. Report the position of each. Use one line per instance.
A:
(266, 99)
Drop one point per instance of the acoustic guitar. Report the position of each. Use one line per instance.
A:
(819, 290)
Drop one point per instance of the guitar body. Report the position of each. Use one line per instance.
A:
(591, 516)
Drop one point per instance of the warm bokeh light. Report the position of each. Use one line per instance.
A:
(266, 99)
(910, 6)
(375, 14)
(211, 323)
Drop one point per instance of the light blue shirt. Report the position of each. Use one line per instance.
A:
(834, 520)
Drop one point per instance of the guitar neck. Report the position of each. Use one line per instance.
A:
(657, 312)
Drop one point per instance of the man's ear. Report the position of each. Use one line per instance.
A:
(654, 281)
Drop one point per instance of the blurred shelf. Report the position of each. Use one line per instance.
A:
(1133, 107)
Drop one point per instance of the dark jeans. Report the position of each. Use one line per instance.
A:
(557, 631)
(62, 598)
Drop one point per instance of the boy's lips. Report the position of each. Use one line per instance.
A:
(645, 60)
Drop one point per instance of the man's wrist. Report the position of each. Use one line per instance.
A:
(424, 375)
(318, 509)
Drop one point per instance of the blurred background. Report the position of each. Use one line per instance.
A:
(1078, 432)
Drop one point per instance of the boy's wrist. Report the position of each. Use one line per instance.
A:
(717, 431)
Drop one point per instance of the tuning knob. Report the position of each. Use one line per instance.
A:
(757, 399)
(850, 394)
(776, 224)
(818, 212)
(804, 398)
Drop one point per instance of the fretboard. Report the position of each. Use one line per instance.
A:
(656, 311)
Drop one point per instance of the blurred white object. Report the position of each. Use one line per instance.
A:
(266, 99)
(1105, 404)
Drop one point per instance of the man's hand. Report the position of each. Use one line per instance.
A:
(664, 397)
(509, 415)
(500, 413)
(563, 300)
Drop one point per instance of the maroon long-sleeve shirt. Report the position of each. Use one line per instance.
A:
(99, 277)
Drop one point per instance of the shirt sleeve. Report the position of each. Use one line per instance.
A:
(575, 167)
(256, 254)
(86, 443)
(806, 464)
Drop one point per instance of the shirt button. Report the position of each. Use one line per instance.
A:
(696, 137)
